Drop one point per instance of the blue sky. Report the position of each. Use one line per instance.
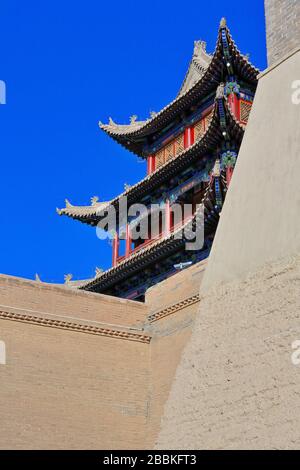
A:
(67, 65)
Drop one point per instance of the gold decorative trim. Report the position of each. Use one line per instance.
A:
(92, 330)
(174, 308)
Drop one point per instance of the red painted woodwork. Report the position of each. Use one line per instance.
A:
(188, 134)
(115, 250)
(168, 218)
(128, 241)
(234, 103)
(229, 172)
(150, 164)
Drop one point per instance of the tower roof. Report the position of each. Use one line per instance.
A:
(205, 72)
(210, 140)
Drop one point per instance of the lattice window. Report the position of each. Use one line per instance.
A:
(199, 129)
(169, 151)
(179, 144)
(208, 119)
(245, 111)
(160, 158)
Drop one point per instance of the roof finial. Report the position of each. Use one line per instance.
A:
(98, 271)
(127, 186)
(220, 91)
(94, 200)
(111, 122)
(199, 46)
(133, 119)
(217, 168)
(37, 278)
(68, 204)
(68, 278)
(223, 23)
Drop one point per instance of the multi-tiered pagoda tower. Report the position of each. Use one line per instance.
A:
(191, 147)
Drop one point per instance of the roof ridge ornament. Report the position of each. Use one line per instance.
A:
(68, 204)
(217, 168)
(94, 200)
(111, 122)
(37, 278)
(98, 271)
(223, 22)
(199, 46)
(133, 119)
(68, 278)
(220, 91)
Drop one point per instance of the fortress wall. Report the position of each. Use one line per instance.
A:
(170, 336)
(170, 332)
(283, 27)
(63, 389)
(182, 285)
(260, 219)
(236, 386)
(63, 301)
(72, 390)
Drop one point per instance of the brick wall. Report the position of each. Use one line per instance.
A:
(283, 27)
(86, 370)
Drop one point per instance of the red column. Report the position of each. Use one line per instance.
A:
(115, 249)
(188, 137)
(167, 217)
(234, 103)
(229, 171)
(128, 241)
(150, 164)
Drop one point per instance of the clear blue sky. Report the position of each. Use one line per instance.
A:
(67, 65)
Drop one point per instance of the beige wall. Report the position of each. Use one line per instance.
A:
(236, 386)
(86, 370)
(63, 389)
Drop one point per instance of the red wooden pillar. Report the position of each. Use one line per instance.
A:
(229, 172)
(150, 164)
(188, 137)
(234, 103)
(168, 217)
(115, 249)
(128, 241)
